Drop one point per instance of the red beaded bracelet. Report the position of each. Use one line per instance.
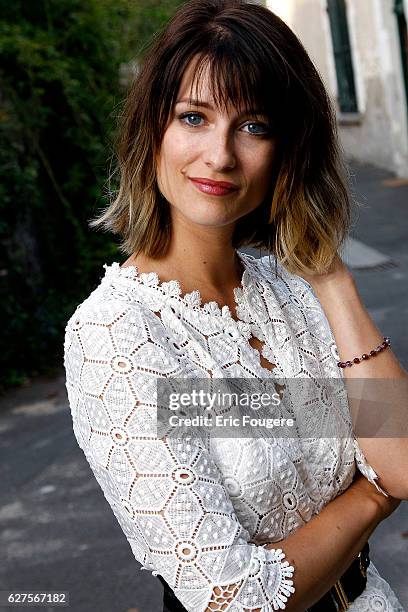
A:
(373, 353)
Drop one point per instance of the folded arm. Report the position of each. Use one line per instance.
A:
(324, 548)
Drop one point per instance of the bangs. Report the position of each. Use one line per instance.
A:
(249, 63)
(239, 80)
(247, 75)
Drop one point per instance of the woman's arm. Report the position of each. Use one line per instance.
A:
(355, 333)
(324, 548)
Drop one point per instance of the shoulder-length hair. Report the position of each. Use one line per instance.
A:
(254, 61)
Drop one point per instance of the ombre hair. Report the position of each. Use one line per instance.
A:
(255, 61)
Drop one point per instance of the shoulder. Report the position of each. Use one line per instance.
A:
(112, 337)
(115, 303)
(283, 282)
(92, 329)
(297, 302)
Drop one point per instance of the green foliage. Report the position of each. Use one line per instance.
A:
(59, 97)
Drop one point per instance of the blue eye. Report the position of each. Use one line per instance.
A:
(185, 115)
(264, 128)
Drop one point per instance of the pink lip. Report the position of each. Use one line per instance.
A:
(213, 188)
(205, 181)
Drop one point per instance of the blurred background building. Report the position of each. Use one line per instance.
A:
(360, 48)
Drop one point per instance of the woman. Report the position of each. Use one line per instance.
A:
(228, 139)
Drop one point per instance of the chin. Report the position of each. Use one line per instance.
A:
(206, 213)
(211, 222)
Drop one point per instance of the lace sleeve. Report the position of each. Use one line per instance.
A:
(167, 494)
(329, 356)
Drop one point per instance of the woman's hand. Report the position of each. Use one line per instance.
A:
(338, 271)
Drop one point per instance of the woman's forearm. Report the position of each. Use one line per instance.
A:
(324, 548)
(354, 330)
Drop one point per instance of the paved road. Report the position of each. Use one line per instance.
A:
(382, 224)
(57, 531)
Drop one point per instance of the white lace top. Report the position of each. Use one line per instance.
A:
(193, 510)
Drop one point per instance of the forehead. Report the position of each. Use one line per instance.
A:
(204, 81)
(196, 85)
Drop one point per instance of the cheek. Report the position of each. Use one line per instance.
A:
(260, 166)
(265, 169)
(269, 155)
(173, 158)
(176, 148)
(259, 172)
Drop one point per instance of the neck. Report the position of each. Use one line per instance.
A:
(200, 258)
(205, 256)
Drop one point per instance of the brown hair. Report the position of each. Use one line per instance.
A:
(255, 61)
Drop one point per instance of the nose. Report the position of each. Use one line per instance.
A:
(219, 152)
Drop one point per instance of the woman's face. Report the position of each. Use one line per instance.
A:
(203, 142)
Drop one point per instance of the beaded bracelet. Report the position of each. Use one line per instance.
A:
(380, 347)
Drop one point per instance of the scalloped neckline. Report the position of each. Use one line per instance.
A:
(172, 288)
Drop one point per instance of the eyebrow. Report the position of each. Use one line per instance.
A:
(195, 102)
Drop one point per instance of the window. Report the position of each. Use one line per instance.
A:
(347, 98)
(403, 39)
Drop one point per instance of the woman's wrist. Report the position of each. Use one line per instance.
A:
(364, 489)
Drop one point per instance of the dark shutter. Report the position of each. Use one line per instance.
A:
(342, 55)
(403, 39)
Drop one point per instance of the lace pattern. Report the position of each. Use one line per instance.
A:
(197, 511)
